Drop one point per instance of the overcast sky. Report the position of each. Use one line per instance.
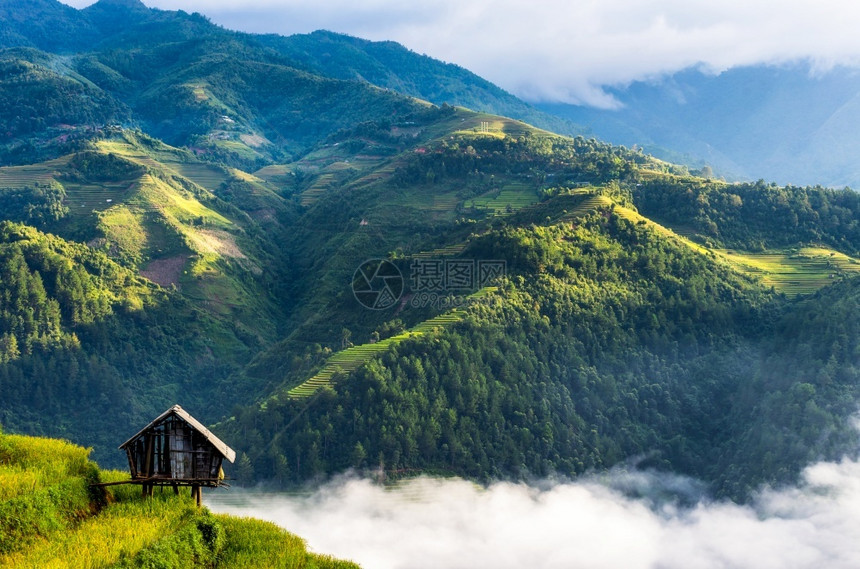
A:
(566, 50)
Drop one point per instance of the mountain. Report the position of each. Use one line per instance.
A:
(385, 64)
(43, 24)
(792, 124)
(345, 276)
(390, 65)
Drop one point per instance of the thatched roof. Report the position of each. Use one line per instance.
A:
(219, 445)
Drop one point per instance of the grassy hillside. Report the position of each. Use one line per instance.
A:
(50, 516)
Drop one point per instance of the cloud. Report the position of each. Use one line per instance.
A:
(557, 50)
(633, 520)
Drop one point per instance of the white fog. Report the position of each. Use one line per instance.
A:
(590, 523)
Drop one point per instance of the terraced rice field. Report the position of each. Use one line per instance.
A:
(278, 174)
(378, 171)
(129, 152)
(21, 176)
(84, 199)
(498, 127)
(797, 271)
(445, 202)
(512, 197)
(322, 184)
(201, 174)
(450, 251)
(588, 205)
(350, 359)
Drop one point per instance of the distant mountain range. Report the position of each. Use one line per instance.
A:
(55, 27)
(789, 124)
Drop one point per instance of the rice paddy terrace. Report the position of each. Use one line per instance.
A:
(793, 271)
(20, 176)
(350, 359)
(50, 516)
(801, 270)
(509, 198)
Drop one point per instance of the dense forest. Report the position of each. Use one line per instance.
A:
(755, 216)
(184, 210)
(606, 343)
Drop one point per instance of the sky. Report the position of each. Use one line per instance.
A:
(589, 524)
(568, 50)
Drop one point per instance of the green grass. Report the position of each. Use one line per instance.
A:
(118, 532)
(50, 517)
(45, 490)
(272, 547)
(126, 229)
(352, 358)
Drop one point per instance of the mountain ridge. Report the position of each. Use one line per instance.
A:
(784, 123)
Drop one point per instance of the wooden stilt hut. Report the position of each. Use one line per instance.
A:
(176, 450)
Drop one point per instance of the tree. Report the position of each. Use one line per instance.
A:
(358, 455)
(244, 470)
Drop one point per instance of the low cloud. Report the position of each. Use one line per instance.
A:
(556, 50)
(632, 520)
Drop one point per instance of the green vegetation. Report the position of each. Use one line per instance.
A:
(391, 65)
(350, 359)
(257, 544)
(206, 259)
(80, 332)
(754, 217)
(802, 270)
(51, 516)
